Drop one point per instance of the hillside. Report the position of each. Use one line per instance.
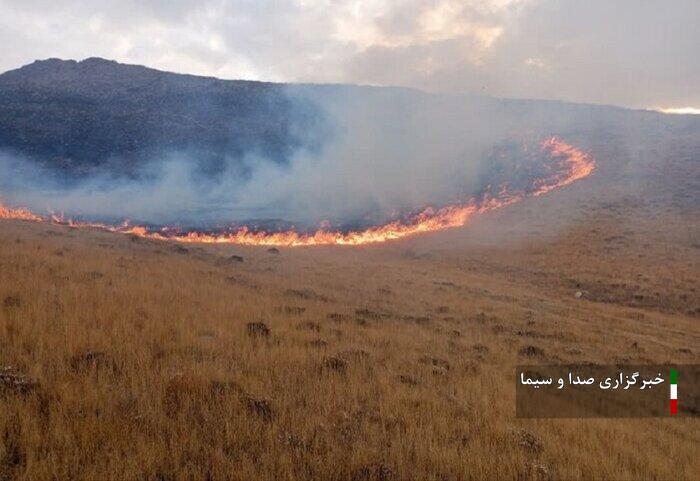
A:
(79, 117)
(127, 358)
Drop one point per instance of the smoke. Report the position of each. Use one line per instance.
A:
(383, 151)
(164, 190)
(391, 149)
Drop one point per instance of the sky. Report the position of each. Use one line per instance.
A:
(634, 53)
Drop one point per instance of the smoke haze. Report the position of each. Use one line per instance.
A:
(384, 151)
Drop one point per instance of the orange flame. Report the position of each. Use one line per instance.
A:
(577, 165)
(22, 214)
(568, 164)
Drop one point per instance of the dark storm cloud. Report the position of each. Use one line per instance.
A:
(639, 53)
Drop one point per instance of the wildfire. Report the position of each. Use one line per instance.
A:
(568, 164)
(576, 165)
(22, 214)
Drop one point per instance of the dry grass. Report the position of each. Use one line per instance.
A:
(139, 360)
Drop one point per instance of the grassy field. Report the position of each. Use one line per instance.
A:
(129, 359)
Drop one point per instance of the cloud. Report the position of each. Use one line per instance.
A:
(636, 53)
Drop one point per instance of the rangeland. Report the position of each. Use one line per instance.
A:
(130, 359)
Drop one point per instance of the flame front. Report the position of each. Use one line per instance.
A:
(22, 214)
(568, 164)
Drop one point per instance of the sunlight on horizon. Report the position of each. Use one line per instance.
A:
(679, 110)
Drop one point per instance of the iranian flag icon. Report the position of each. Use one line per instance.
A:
(674, 391)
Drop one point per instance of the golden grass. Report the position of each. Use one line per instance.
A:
(387, 363)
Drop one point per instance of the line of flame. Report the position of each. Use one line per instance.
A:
(574, 164)
(21, 214)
